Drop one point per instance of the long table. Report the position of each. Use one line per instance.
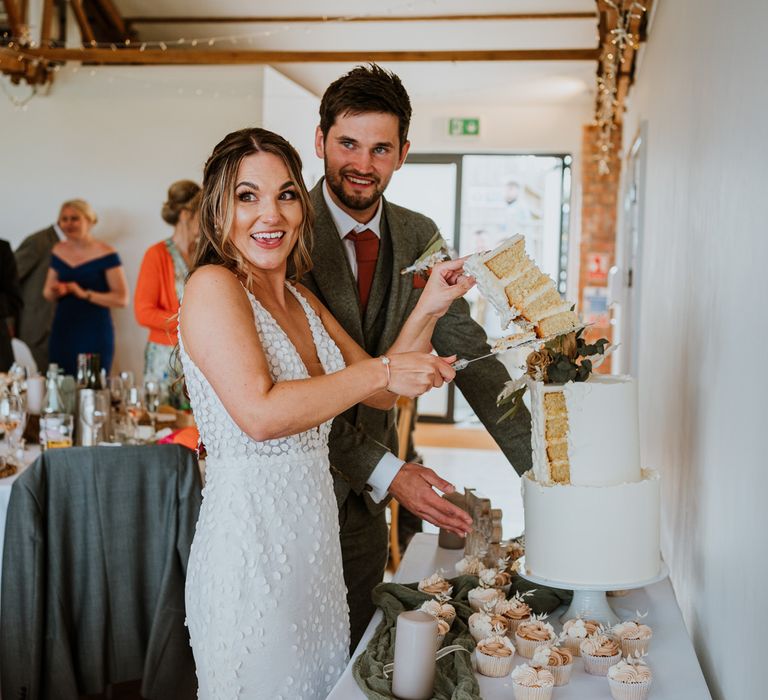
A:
(676, 671)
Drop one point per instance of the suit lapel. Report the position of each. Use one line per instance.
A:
(331, 270)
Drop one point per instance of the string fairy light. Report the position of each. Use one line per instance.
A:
(613, 55)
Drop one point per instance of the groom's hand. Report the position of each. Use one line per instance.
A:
(413, 488)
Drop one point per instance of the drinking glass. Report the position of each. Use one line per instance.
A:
(12, 420)
(95, 414)
(152, 398)
(56, 430)
(134, 408)
(117, 393)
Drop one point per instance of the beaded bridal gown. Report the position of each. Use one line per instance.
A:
(265, 595)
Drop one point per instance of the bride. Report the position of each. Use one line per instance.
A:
(267, 368)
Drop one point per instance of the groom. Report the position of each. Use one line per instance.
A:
(362, 241)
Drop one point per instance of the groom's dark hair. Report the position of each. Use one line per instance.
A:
(364, 89)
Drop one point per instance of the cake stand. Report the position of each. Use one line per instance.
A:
(589, 600)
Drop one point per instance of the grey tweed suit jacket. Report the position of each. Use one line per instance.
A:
(361, 435)
(33, 258)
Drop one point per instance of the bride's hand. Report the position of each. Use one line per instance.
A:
(446, 284)
(413, 373)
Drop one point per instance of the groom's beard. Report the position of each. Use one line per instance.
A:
(352, 200)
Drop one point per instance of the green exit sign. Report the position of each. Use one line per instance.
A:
(459, 126)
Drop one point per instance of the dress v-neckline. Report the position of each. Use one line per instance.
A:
(309, 314)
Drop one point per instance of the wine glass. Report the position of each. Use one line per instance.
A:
(152, 398)
(134, 407)
(13, 418)
(96, 414)
(117, 390)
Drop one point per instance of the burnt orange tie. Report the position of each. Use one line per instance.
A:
(367, 252)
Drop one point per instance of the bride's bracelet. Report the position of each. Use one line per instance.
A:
(385, 361)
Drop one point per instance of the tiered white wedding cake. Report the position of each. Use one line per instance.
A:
(591, 512)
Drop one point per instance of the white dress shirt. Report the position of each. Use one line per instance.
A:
(59, 232)
(389, 465)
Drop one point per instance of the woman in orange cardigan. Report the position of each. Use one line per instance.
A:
(160, 286)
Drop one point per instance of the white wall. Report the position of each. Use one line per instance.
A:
(704, 325)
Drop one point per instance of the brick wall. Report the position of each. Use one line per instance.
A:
(598, 234)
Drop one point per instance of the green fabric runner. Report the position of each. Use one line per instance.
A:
(454, 679)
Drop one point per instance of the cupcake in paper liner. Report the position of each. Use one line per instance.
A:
(442, 630)
(485, 624)
(559, 662)
(529, 683)
(494, 656)
(435, 585)
(600, 652)
(630, 679)
(496, 578)
(575, 631)
(634, 637)
(515, 610)
(440, 610)
(469, 566)
(481, 596)
(532, 634)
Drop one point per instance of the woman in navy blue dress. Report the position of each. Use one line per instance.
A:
(86, 279)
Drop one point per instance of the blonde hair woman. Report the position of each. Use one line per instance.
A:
(86, 280)
(267, 368)
(160, 286)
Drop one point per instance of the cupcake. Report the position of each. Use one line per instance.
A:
(600, 652)
(634, 637)
(494, 656)
(531, 634)
(434, 585)
(482, 596)
(485, 624)
(496, 578)
(630, 680)
(442, 630)
(575, 631)
(469, 566)
(559, 662)
(531, 683)
(515, 610)
(440, 610)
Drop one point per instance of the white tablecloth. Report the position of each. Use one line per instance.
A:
(676, 671)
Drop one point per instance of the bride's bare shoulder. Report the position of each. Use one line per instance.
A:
(212, 279)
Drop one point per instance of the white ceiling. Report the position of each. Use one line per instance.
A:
(488, 83)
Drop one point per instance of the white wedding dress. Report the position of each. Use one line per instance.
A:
(265, 595)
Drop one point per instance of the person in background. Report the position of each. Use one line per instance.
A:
(86, 280)
(10, 302)
(160, 286)
(33, 258)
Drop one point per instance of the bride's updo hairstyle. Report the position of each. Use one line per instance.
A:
(217, 207)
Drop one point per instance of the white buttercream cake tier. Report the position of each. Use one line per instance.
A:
(593, 535)
(603, 440)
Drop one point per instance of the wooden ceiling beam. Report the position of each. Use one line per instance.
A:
(237, 57)
(86, 31)
(116, 24)
(290, 19)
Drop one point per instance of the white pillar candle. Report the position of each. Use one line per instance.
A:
(414, 672)
(35, 392)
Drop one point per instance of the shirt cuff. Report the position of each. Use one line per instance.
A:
(383, 474)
